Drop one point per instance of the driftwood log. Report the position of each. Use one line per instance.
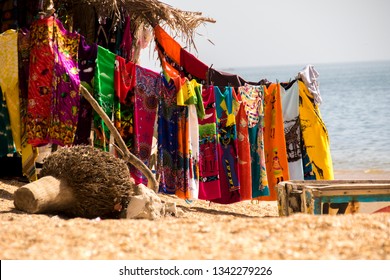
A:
(45, 195)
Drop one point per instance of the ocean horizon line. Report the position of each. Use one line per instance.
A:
(241, 67)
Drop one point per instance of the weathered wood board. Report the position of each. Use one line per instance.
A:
(333, 197)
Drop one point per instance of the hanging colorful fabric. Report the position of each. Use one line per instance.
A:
(124, 82)
(227, 107)
(66, 86)
(168, 115)
(274, 141)
(125, 78)
(104, 94)
(87, 64)
(126, 45)
(6, 141)
(209, 185)
(253, 98)
(190, 95)
(170, 73)
(315, 135)
(192, 65)
(244, 152)
(9, 81)
(40, 82)
(54, 83)
(146, 93)
(169, 45)
(290, 107)
(183, 140)
(29, 153)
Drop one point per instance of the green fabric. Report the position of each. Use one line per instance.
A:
(199, 104)
(104, 95)
(256, 167)
(6, 140)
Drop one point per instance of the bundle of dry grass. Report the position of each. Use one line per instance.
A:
(100, 182)
(145, 12)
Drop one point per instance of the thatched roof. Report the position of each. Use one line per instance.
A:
(152, 12)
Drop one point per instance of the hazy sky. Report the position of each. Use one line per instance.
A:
(283, 32)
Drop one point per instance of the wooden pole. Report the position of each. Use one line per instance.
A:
(128, 156)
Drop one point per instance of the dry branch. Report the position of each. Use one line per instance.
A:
(128, 156)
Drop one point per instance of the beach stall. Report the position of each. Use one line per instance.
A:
(334, 197)
(216, 136)
(53, 48)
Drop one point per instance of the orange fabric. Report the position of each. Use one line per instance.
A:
(171, 73)
(274, 142)
(183, 137)
(244, 155)
(170, 46)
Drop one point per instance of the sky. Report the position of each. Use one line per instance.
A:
(253, 33)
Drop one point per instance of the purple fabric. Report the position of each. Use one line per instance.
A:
(87, 65)
(66, 83)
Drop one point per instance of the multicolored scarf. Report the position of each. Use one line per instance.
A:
(54, 84)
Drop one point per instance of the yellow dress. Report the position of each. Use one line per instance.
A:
(315, 135)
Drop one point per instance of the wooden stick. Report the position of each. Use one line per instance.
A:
(128, 156)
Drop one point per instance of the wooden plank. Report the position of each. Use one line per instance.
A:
(334, 197)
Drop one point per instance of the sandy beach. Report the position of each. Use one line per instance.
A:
(204, 231)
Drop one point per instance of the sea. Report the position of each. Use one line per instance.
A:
(355, 109)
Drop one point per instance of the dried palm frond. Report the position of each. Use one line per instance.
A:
(151, 12)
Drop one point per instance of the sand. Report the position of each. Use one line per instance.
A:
(204, 231)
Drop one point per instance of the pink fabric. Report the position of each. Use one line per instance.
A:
(146, 92)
